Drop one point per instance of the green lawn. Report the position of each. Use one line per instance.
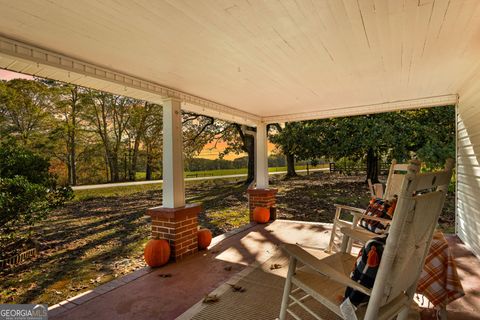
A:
(224, 172)
(81, 195)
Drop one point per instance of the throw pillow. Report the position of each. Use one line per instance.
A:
(378, 208)
(366, 268)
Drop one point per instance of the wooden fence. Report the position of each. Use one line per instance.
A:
(19, 258)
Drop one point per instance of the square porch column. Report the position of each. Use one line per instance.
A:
(174, 220)
(261, 195)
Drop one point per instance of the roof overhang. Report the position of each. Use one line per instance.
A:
(24, 58)
(252, 62)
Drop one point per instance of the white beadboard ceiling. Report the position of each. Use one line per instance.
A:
(253, 59)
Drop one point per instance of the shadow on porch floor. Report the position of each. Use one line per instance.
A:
(145, 294)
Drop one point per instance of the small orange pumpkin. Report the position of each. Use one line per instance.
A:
(261, 215)
(156, 252)
(204, 238)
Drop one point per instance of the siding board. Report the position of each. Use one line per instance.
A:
(468, 176)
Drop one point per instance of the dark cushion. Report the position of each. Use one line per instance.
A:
(366, 268)
(379, 208)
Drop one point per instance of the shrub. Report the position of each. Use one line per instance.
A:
(27, 190)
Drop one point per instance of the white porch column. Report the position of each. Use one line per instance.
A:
(261, 154)
(173, 182)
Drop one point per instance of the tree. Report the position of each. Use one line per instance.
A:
(153, 138)
(245, 144)
(200, 130)
(135, 130)
(24, 110)
(428, 133)
(109, 115)
(436, 143)
(68, 108)
(292, 141)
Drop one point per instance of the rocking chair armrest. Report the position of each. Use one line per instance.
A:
(358, 234)
(367, 217)
(322, 268)
(350, 209)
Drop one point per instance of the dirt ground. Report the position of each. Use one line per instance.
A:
(94, 240)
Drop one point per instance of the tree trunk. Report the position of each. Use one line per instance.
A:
(250, 146)
(134, 159)
(290, 165)
(107, 168)
(73, 155)
(372, 166)
(148, 169)
(71, 138)
(115, 168)
(69, 168)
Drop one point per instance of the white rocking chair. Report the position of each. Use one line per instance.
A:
(395, 177)
(402, 261)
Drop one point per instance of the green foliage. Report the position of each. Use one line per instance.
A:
(296, 138)
(27, 190)
(427, 133)
(21, 203)
(24, 112)
(18, 161)
(438, 133)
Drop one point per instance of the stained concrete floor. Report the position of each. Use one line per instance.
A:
(146, 294)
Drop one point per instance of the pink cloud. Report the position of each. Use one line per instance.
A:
(9, 75)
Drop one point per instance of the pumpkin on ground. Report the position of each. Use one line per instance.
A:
(204, 238)
(157, 252)
(261, 215)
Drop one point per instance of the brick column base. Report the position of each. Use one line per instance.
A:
(177, 225)
(262, 198)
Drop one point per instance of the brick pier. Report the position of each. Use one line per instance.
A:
(177, 225)
(261, 198)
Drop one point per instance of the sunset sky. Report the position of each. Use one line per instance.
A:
(207, 152)
(9, 75)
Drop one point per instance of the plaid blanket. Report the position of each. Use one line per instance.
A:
(439, 281)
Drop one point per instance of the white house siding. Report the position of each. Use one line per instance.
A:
(468, 166)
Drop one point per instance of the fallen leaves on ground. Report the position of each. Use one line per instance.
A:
(275, 266)
(211, 298)
(236, 288)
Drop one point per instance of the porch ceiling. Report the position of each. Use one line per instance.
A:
(251, 61)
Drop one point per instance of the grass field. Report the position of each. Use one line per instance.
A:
(225, 172)
(81, 195)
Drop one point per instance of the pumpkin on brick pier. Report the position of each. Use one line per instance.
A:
(157, 252)
(261, 215)
(204, 238)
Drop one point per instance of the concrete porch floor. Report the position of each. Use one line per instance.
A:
(145, 294)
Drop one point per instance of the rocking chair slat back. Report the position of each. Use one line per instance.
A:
(413, 246)
(396, 175)
(409, 238)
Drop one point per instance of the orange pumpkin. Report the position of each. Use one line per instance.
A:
(204, 238)
(157, 252)
(261, 215)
